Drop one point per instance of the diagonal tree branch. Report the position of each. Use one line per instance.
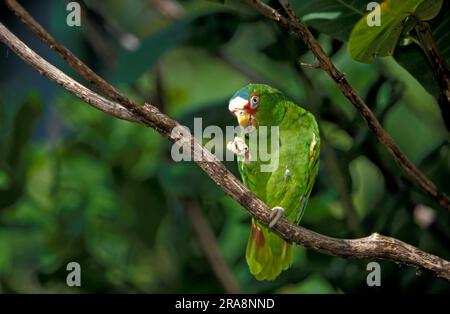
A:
(375, 246)
(301, 30)
(54, 74)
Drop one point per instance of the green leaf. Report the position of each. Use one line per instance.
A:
(428, 9)
(335, 18)
(367, 183)
(132, 64)
(207, 29)
(367, 42)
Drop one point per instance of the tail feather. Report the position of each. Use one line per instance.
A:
(267, 254)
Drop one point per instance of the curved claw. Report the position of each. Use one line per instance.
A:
(275, 215)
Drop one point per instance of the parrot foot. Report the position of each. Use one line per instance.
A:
(275, 215)
(238, 147)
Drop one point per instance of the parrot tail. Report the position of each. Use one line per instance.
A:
(267, 254)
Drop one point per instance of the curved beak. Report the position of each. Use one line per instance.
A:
(243, 118)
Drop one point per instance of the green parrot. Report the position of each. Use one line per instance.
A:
(286, 188)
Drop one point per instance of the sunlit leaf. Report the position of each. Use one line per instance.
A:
(368, 42)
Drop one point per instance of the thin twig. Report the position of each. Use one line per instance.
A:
(309, 65)
(289, 11)
(302, 31)
(439, 66)
(208, 243)
(375, 246)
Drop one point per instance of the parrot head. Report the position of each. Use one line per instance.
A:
(257, 104)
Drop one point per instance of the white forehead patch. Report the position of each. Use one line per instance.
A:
(237, 103)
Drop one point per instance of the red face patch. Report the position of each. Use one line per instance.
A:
(252, 105)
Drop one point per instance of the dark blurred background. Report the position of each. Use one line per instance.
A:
(79, 185)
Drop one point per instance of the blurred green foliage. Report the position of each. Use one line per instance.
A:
(78, 185)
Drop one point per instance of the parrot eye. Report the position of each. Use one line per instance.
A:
(254, 102)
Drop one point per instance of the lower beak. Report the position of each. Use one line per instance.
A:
(243, 119)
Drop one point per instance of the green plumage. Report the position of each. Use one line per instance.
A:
(287, 186)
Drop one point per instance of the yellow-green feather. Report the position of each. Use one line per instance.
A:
(268, 261)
